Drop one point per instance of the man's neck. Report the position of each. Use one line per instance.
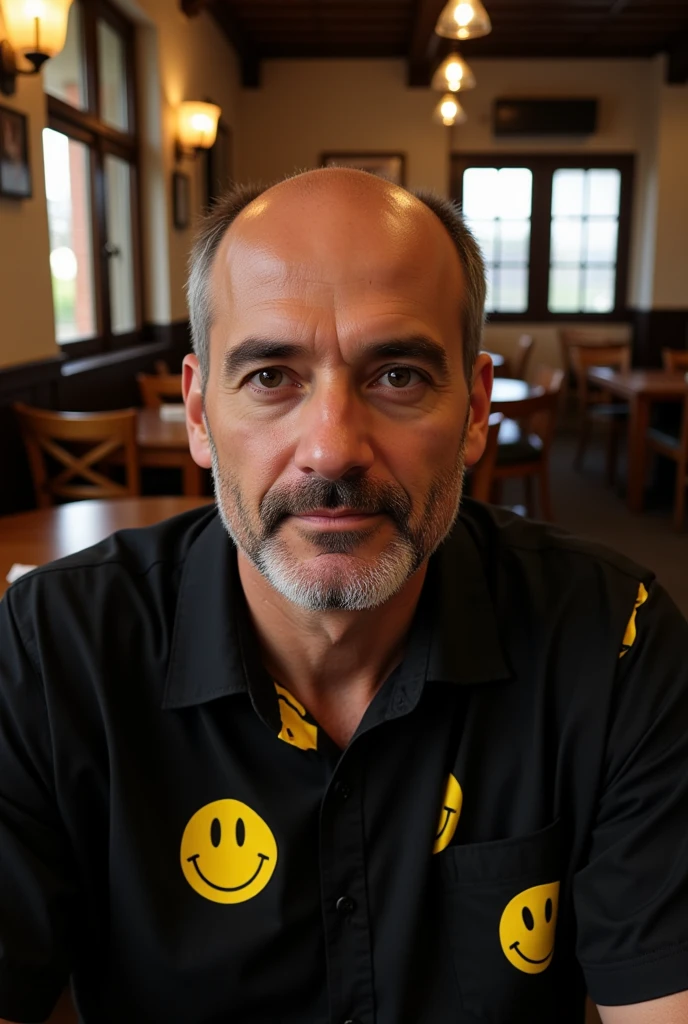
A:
(333, 662)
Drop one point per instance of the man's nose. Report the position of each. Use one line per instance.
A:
(334, 434)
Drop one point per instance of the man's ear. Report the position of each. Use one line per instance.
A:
(196, 427)
(479, 409)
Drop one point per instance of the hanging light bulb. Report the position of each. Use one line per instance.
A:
(449, 111)
(453, 74)
(463, 19)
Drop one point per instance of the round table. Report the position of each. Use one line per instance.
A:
(34, 538)
(507, 390)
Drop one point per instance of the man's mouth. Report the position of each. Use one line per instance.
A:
(336, 518)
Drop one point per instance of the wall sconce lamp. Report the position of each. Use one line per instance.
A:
(36, 31)
(196, 127)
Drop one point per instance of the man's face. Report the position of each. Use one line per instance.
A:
(336, 406)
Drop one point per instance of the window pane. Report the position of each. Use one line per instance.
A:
(65, 75)
(564, 290)
(112, 77)
(568, 191)
(120, 245)
(479, 192)
(601, 241)
(604, 189)
(515, 241)
(567, 241)
(514, 191)
(599, 290)
(68, 190)
(513, 290)
(484, 231)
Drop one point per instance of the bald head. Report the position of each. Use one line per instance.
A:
(341, 230)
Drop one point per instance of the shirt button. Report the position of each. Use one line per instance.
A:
(345, 906)
(352, 1020)
(342, 791)
(399, 702)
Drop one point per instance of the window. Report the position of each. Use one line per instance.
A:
(91, 174)
(553, 230)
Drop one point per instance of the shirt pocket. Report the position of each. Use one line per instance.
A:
(500, 903)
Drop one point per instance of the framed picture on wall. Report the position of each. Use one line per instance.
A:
(219, 164)
(15, 170)
(391, 166)
(181, 200)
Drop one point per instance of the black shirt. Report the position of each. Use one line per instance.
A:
(507, 828)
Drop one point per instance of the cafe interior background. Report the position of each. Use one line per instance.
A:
(561, 126)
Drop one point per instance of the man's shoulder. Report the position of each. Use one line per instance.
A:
(542, 555)
(129, 555)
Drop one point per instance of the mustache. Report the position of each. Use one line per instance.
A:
(359, 495)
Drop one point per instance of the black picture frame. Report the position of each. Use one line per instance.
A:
(15, 168)
(181, 200)
(219, 168)
(391, 166)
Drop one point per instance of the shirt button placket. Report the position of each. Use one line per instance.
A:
(345, 907)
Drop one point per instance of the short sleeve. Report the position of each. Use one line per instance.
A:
(631, 897)
(37, 889)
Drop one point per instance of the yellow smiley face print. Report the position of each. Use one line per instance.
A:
(296, 729)
(228, 853)
(449, 814)
(527, 926)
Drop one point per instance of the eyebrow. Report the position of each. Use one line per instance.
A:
(265, 350)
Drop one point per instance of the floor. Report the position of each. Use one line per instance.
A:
(585, 505)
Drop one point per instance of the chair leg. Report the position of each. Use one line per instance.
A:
(583, 434)
(545, 495)
(612, 453)
(680, 502)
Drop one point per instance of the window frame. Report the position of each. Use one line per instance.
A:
(86, 126)
(543, 166)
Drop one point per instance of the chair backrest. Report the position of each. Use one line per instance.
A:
(482, 473)
(156, 387)
(675, 359)
(525, 349)
(66, 452)
(538, 415)
(616, 356)
(548, 378)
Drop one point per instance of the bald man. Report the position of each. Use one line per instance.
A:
(343, 748)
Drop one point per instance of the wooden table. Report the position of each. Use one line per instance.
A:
(507, 390)
(640, 388)
(37, 537)
(166, 443)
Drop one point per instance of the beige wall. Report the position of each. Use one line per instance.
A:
(178, 59)
(670, 281)
(26, 312)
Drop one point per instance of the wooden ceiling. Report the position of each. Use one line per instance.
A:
(405, 28)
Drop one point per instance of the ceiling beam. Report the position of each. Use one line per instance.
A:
(677, 65)
(192, 7)
(249, 58)
(424, 44)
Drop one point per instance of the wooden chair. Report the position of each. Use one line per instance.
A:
(526, 344)
(66, 452)
(156, 387)
(676, 449)
(595, 405)
(482, 473)
(525, 441)
(674, 359)
(577, 337)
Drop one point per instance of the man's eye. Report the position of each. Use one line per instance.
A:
(268, 378)
(400, 377)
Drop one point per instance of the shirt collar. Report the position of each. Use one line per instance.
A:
(212, 621)
(465, 646)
